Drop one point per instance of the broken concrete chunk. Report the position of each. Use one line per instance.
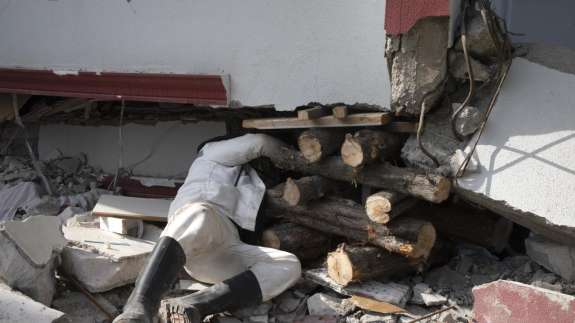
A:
(555, 257)
(134, 228)
(81, 310)
(420, 67)
(507, 301)
(372, 318)
(458, 68)
(29, 255)
(324, 304)
(38, 237)
(103, 260)
(479, 42)
(69, 213)
(393, 293)
(468, 120)
(12, 197)
(446, 278)
(424, 295)
(16, 307)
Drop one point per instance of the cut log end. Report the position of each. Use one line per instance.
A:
(352, 152)
(291, 193)
(435, 189)
(310, 148)
(270, 239)
(425, 242)
(340, 267)
(377, 208)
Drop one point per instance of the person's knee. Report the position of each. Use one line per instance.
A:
(293, 269)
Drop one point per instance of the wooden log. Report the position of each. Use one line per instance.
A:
(316, 144)
(312, 113)
(350, 263)
(305, 243)
(384, 206)
(340, 112)
(353, 120)
(468, 224)
(305, 189)
(409, 237)
(366, 146)
(431, 187)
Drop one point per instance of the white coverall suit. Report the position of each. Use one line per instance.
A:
(220, 188)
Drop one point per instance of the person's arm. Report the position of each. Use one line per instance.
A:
(240, 150)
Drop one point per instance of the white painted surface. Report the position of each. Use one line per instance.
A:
(527, 151)
(173, 145)
(285, 53)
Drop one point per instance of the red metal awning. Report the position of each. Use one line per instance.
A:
(401, 15)
(176, 88)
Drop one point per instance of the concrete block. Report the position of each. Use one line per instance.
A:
(557, 258)
(525, 153)
(393, 293)
(104, 260)
(511, 302)
(17, 307)
(122, 226)
(323, 304)
(29, 255)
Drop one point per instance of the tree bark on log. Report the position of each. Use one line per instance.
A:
(349, 264)
(431, 187)
(316, 144)
(305, 243)
(383, 206)
(412, 238)
(469, 224)
(367, 146)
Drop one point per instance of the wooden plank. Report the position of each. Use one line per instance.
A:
(311, 113)
(125, 207)
(340, 112)
(353, 120)
(401, 127)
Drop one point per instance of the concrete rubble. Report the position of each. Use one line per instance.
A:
(103, 260)
(30, 254)
(507, 301)
(17, 307)
(555, 257)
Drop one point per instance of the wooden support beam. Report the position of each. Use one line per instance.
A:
(353, 120)
(311, 113)
(367, 146)
(340, 112)
(384, 206)
(306, 189)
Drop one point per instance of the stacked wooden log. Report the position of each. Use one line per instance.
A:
(382, 235)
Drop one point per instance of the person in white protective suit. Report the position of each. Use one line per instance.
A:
(221, 189)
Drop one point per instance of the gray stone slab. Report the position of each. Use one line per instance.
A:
(17, 307)
(557, 258)
(527, 164)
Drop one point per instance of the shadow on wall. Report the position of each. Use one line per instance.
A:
(164, 150)
(531, 130)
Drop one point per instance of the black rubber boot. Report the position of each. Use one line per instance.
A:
(160, 273)
(239, 291)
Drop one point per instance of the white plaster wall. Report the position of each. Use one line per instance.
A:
(173, 145)
(282, 52)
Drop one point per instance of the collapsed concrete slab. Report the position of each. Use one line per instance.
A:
(103, 260)
(17, 307)
(29, 255)
(526, 153)
(509, 302)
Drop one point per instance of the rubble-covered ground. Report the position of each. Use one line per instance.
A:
(77, 186)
